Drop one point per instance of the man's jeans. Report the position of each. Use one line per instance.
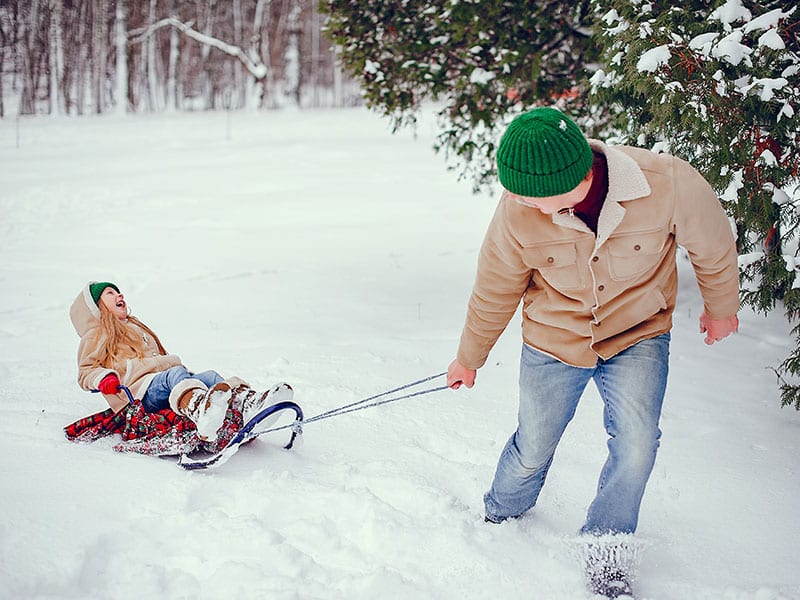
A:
(157, 395)
(632, 386)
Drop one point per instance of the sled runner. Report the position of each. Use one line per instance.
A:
(254, 427)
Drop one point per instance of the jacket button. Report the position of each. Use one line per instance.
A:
(601, 287)
(550, 259)
(637, 247)
(595, 258)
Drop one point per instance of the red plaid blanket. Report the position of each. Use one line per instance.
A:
(161, 433)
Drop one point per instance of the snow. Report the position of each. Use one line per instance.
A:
(768, 85)
(319, 249)
(731, 12)
(771, 39)
(372, 67)
(731, 49)
(481, 76)
(653, 59)
(768, 20)
(703, 43)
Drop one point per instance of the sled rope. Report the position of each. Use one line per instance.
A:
(370, 402)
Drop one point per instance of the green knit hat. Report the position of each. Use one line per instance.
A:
(542, 153)
(96, 289)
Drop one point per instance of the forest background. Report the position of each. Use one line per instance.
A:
(714, 82)
(75, 57)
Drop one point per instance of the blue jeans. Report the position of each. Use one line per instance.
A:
(632, 386)
(157, 395)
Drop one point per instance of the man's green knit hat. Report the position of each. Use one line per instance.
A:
(542, 153)
(96, 289)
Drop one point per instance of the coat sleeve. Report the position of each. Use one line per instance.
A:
(89, 374)
(500, 282)
(702, 228)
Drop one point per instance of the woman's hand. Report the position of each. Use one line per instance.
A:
(109, 385)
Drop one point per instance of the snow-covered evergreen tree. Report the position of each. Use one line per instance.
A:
(717, 83)
(483, 62)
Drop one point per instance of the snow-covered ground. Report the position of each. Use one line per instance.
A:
(317, 248)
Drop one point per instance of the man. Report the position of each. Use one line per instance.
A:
(585, 235)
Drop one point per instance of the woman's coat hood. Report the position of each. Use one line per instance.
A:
(84, 313)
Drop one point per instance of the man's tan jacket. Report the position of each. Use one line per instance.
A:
(586, 296)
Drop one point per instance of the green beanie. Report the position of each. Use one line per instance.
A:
(96, 289)
(542, 153)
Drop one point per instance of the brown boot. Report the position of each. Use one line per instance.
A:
(254, 403)
(205, 407)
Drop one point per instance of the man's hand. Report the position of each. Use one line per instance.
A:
(458, 374)
(717, 329)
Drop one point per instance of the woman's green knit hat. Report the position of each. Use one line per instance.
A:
(96, 289)
(542, 153)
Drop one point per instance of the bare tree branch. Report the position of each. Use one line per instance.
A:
(255, 67)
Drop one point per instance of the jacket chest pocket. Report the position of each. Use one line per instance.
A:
(635, 253)
(557, 264)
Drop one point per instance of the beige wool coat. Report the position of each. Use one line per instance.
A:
(135, 373)
(586, 296)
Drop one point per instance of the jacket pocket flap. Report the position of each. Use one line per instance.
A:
(639, 243)
(550, 255)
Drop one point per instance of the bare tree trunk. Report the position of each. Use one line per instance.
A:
(293, 70)
(121, 41)
(172, 68)
(99, 56)
(315, 54)
(260, 89)
(57, 98)
(208, 29)
(184, 74)
(27, 34)
(280, 43)
(3, 41)
(154, 89)
(15, 49)
(238, 38)
(82, 57)
(338, 84)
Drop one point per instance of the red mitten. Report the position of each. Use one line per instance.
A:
(109, 384)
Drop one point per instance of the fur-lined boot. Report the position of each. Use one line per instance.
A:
(254, 402)
(206, 407)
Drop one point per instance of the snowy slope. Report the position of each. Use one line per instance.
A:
(319, 249)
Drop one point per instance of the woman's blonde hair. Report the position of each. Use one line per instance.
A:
(118, 340)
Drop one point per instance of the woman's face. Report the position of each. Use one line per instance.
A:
(114, 301)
